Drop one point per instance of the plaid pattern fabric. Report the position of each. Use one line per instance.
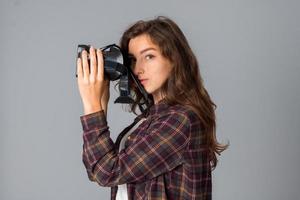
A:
(164, 158)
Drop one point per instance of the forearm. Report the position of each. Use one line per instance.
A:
(98, 147)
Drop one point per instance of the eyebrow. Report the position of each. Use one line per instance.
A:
(144, 50)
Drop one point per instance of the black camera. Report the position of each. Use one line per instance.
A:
(114, 69)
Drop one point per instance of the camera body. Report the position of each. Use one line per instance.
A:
(113, 60)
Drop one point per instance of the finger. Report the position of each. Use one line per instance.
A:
(100, 73)
(86, 71)
(79, 68)
(93, 62)
(107, 85)
(106, 82)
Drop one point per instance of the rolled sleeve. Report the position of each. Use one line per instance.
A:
(96, 140)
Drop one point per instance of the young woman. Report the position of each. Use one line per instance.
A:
(168, 152)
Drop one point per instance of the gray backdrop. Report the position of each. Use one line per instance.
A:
(249, 58)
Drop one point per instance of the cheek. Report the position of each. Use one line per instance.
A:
(159, 71)
(165, 70)
(162, 75)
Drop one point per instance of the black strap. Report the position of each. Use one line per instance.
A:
(121, 135)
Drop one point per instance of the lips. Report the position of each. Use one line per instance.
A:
(143, 81)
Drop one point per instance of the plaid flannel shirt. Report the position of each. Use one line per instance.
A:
(164, 158)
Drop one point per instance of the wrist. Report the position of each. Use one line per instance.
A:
(88, 109)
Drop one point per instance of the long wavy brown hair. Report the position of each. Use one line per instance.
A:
(185, 85)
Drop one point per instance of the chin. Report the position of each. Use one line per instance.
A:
(148, 91)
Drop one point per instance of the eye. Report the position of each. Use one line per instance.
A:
(149, 56)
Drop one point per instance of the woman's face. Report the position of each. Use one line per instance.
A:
(149, 65)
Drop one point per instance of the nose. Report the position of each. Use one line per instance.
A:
(140, 72)
(138, 69)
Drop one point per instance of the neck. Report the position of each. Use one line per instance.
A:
(157, 97)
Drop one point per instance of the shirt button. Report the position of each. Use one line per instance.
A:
(128, 138)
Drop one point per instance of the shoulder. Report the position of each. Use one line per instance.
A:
(177, 113)
(184, 112)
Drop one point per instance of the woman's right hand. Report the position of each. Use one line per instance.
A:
(91, 82)
(105, 97)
